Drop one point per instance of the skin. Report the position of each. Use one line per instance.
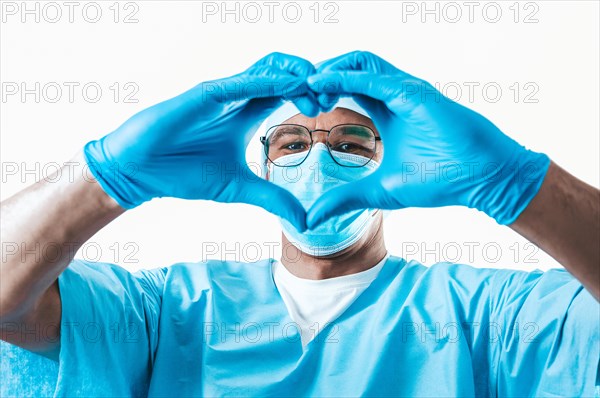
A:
(563, 220)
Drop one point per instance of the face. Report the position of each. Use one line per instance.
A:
(355, 147)
(353, 137)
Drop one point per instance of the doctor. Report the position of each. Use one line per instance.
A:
(337, 315)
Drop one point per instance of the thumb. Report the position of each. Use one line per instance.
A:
(327, 102)
(307, 104)
(274, 199)
(376, 109)
(246, 87)
(366, 193)
(258, 109)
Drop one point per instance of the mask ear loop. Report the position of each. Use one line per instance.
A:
(267, 169)
(264, 157)
(384, 213)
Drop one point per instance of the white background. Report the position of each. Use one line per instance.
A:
(174, 45)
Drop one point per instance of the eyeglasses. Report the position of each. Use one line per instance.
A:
(342, 140)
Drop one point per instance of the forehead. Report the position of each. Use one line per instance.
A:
(328, 120)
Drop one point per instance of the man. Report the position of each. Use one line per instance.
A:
(337, 316)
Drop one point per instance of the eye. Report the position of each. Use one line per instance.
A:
(295, 146)
(348, 147)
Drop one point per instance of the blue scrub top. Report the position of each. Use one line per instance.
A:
(221, 328)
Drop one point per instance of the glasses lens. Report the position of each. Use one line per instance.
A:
(287, 139)
(348, 140)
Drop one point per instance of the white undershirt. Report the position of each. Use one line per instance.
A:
(314, 303)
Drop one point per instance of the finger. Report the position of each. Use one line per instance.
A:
(274, 199)
(350, 83)
(327, 101)
(344, 61)
(366, 193)
(323, 63)
(376, 109)
(304, 99)
(262, 84)
(273, 76)
(262, 107)
(381, 116)
(358, 61)
(292, 64)
(307, 104)
(258, 109)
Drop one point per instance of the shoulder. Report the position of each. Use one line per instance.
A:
(501, 276)
(499, 281)
(205, 274)
(191, 276)
(446, 271)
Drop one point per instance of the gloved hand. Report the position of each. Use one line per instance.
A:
(193, 146)
(436, 151)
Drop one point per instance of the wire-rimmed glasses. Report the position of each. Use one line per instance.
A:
(342, 141)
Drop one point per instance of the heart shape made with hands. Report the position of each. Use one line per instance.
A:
(215, 121)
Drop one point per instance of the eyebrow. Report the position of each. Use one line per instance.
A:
(357, 130)
(278, 133)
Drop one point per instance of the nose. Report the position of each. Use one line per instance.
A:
(319, 136)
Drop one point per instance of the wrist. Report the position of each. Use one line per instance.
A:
(88, 190)
(510, 190)
(111, 176)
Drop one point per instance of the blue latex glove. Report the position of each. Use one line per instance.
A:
(193, 146)
(436, 151)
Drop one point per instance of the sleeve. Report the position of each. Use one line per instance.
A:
(108, 329)
(25, 374)
(544, 335)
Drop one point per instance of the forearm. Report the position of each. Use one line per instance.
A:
(563, 219)
(42, 228)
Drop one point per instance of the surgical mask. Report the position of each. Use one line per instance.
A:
(307, 182)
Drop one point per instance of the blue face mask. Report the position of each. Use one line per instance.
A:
(307, 182)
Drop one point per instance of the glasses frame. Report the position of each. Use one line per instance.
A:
(263, 141)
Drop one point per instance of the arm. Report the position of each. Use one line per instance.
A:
(62, 214)
(563, 219)
(423, 131)
(160, 152)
